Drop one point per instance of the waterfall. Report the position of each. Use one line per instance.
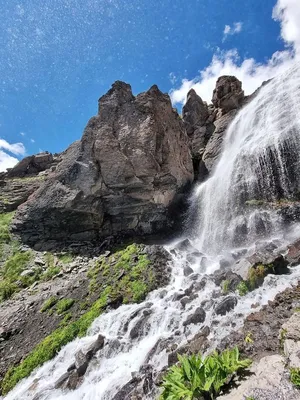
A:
(260, 164)
(260, 161)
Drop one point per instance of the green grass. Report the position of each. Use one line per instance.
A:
(295, 376)
(10, 274)
(128, 271)
(126, 275)
(50, 273)
(64, 305)
(49, 303)
(52, 344)
(65, 258)
(5, 220)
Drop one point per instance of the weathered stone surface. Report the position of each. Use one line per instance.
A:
(226, 305)
(228, 94)
(120, 178)
(31, 165)
(268, 382)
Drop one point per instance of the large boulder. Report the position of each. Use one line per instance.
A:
(122, 177)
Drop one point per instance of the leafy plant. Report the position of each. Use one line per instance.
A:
(295, 376)
(196, 376)
(242, 288)
(225, 286)
(248, 338)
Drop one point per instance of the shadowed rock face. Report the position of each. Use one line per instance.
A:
(120, 178)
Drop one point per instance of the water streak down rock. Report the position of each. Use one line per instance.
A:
(120, 178)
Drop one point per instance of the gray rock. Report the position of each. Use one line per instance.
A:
(122, 177)
(197, 317)
(228, 94)
(226, 305)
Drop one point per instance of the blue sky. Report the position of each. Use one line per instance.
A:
(57, 57)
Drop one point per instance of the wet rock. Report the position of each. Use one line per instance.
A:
(220, 276)
(293, 253)
(226, 305)
(186, 246)
(81, 363)
(198, 344)
(95, 347)
(137, 330)
(197, 317)
(187, 270)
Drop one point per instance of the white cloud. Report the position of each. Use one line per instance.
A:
(16, 148)
(232, 30)
(249, 71)
(288, 13)
(22, 133)
(32, 140)
(6, 160)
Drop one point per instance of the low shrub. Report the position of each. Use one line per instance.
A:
(196, 377)
(64, 305)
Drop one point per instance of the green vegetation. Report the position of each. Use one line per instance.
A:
(49, 303)
(64, 305)
(242, 288)
(256, 275)
(249, 338)
(11, 279)
(127, 271)
(126, 276)
(5, 220)
(65, 258)
(255, 278)
(295, 376)
(282, 337)
(225, 286)
(196, 377)
(65, 319)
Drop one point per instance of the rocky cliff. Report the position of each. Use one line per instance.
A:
(122, 177)
(130, 171)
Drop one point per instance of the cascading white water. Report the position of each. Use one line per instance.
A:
(260, 161)
(262, 132)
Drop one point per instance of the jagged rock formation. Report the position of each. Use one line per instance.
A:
(120, 178)
(19, 182)
(206, 125)
(32, 165)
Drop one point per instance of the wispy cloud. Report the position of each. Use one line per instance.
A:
(6, 160)
(32, 140)
(249, 71)
(232, 30)
(22, 133)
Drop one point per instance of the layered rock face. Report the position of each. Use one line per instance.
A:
(120, 178)
(206, 125)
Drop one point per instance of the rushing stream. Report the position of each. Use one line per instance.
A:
(253, 165)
